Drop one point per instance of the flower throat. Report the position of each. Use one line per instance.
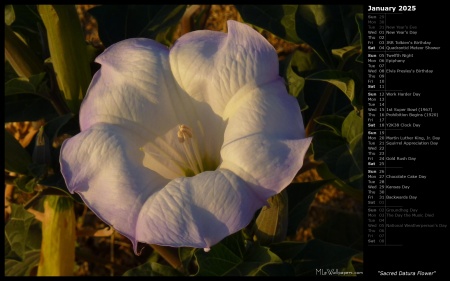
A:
(191, 152)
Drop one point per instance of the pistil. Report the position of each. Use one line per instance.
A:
(190, 146)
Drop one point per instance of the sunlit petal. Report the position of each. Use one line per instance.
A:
(197, 211)
(181, 147)
(265, 139)
(223, 63)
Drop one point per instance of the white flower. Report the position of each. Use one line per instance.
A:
(181, 147)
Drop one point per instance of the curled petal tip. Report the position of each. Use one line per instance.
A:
(206, 249)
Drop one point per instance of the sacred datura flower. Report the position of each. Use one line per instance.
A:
(180, 147)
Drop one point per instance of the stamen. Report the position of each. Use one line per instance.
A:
(190, 146)
(184, 133)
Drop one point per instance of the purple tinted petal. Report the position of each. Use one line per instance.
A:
(104, 166)
(197, 211)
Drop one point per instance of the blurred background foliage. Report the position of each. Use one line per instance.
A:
(315, 223)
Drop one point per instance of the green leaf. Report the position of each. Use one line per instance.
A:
(352, 130)
(342, 228)
(345, 53)
(17, 159)
(19, 86)
(21, 57)
(57, 182)
(27, 23)
(186, 255)
(234, 256)
(328, 146)
(119, 22)
(333, 122)
(273, 269)
(22, 87)
(278, 19)
(323, 27)
(318, 254)
(334, 151)
(10, 16)
(22, 182)
(359, 17)
(27, 99)
(295, 84)
(165, 18)
(287, 250)
(272, 221)
(301, 195)
(68, 52)
(27, 107)
(22, 268)
(294, 68)
(352, 127)
(16, 230)
(10, 73)
(307, 258)
(343, 81)
(152, 269)
(354, 190)
(53, 126)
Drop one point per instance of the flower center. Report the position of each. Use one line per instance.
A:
(191, 151)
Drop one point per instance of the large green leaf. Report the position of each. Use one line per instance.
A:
(274, 269)
(186, 255)
(308, 258)
(352, 127)
(301, 195)
(234, 256)
(29, 25)
(344, 160)
(318, 254)
(353, 189)
(68, 53)
(35, 84)
(25, 183)
(272, 221)
(287, 250)
(119, 22)
(16, 231)
(295, 82)
(17, 159)
(152, 269)
(334, 122)
(27, 107)
(294, 68)
(343, 228)
(27, 99)
(343, 81)
(53, 126)
(342, 154)
(347, 52)
(22, 268)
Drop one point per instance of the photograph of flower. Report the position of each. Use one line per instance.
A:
(184, 140)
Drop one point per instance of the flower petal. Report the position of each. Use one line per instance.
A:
(104, 166)
(264, 141)
(135, 88)
(212, 66)
(197, 211)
